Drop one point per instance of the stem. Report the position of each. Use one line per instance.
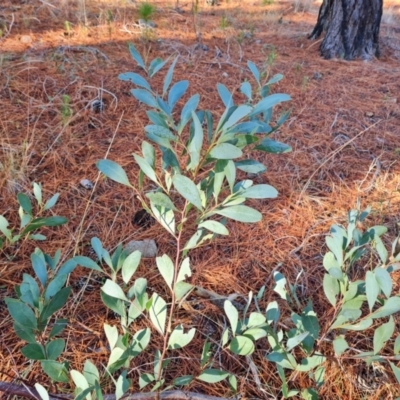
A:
(173, 297)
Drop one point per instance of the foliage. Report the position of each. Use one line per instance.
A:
(30, 221)
(146, 11)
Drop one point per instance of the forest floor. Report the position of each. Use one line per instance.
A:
(344, 130)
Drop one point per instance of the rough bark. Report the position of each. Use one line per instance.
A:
(351, 28)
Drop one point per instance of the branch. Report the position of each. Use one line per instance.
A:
(31, 393)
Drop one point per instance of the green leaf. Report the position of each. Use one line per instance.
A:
(156, 65)
(396, 371)
(55, 348)
(260, 192)
(145, 379)
(225, 95)
(58, 327)
(160, 199)
(214, 226)
(187, 189)
(55, 370)
(211, 375)
(225, 151)
(381, 249)
(130, 265)
(30, 291)
(135, 78)
(25, 203)
(145, 167)
(24, 333)
(113, 171)
(384, 280)
(240, 213)
(21, 314)
(114, 304)
(184, 270)
(176, 92)
(165, 217)
(331, 288)
(45, 221)
(254, 71)
(276, 78)
(250, 166)
(87, 263)
(160, 131)
(396, 347)
(181, 289)
(245, 88)
(3, 228)
(256, 319)
(382, 334)
(33, 351)
(268, 102)
(42, 391)
(57, 302)
(232, 314)
(158, 313)
(309, 394)
(136, 56)
(79, 379)
(112, 289)
(241, 345)
(166, 268)
(241, 112)
(187, 110)
(168, 76)
(145, 97)
(391, 306)
(183, 380)
(272, 146)
(273, 313)
(255, 333)
(111, 334)
(51, 202)
(296, 340)
(196, 143)
(179, 338)
(335, 245)
(372, 288)
(340, 345)
(122, 385)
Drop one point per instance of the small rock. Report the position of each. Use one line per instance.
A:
(97, 106)
(147, 247)
(25, 39)
(148, 24)
(317, 76)
(369, 114)
(258, 41)
(86, 184)
(225, 75)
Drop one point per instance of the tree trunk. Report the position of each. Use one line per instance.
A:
(351, 28)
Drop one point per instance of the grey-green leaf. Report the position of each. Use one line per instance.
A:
(262, 191)
(232, 314)
(113, 171)
(240, 213)
(112, 289)
(212, 375)
(158, 313)
(241, 345)
(187, 189)
(225, 151)
(179, 338)
(214, 226)
(166, 268)
(382, 334)
(145, 167)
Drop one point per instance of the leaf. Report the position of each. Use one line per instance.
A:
(158, 313)
(276, 78)
(260, 192)
(51, 202)
(340, 345)
(331, 288)
(112, 289)
(225, 95)
(232, 314)
(187, 110)
(55, 370)
(372, 289)
(187, 189)
(382, 334)
(241, 112)
(176, 92)
(268, 102)
(145, 167)
(381, 249)
(241, 345)
(181, 289)
(55, 348)
(296, 340)
(391, 306)
(56, 303)
(145, 379)
(196, 143)
(130, 265)
(58, 327)
(45, 221)
(136, 56)
(273, 313)
(384, 280)
(87, 263)
(396, 347)
(166, 268)
(250, 166)
(25, 203)
(168, 76)
(145, 97)
(160, 131)
(240, 213)
(179, 338)
(21, 313)
(156, 65)
(272, 146)
(396, 371)
(211, 375)
(225, 151)
(184, 270)
(214, 226)
(113, 171)
(254, 71)
(183, 380)
(136, 79)
(33, 351)
(42, 391)
(309, 394)
(3, 228)
(245, 88)
(79, 379)
(111, 334)
(165, 217)
(255, 333)
(117, 305)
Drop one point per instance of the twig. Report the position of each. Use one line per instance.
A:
(9, 28)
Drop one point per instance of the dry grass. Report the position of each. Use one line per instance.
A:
(329, 169)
